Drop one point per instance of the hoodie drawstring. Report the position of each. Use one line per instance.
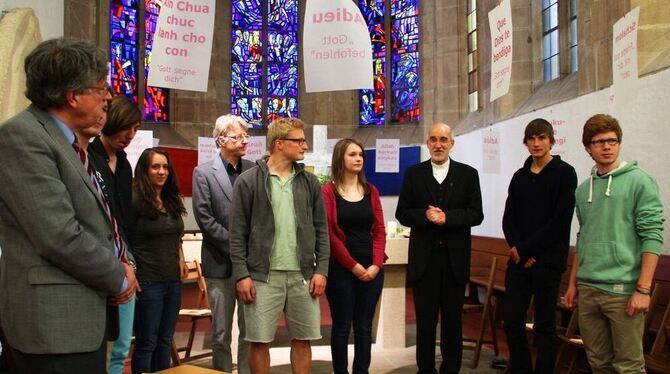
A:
(609, 184)
(607, 191)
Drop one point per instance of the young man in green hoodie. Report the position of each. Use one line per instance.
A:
(620, 238)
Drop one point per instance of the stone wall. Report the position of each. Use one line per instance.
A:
(443, 66)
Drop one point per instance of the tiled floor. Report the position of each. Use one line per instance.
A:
(400, 360)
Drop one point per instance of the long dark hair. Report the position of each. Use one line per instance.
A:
(146, 193)
(337, 163)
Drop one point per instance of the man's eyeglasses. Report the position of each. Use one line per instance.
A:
(238, 138)
(300, 141)
(99, 90)
(602, 142)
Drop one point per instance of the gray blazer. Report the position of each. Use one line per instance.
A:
(212, 199)
(58, 264)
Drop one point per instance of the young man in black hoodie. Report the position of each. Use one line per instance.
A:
(538, 212)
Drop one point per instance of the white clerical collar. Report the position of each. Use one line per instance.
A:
(444, 165)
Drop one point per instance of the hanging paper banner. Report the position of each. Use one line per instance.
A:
(336, 47)
(500, 23)
(182, 45)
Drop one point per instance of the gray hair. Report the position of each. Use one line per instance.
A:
(57, 66)
(224, 123)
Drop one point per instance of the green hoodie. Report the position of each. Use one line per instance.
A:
(620, 216)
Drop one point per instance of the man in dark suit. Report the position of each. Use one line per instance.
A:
(212, 198)
(58, 268)
(440, 200)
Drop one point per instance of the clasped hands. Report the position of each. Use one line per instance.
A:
(363, 274)
(436, 215)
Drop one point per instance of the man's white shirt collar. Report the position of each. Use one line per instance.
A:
(440, 171)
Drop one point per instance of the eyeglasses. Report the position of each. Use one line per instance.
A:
(300, 141)
(238, 138)
(602, 142)
(99, 90)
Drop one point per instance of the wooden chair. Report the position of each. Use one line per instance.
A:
(571, 356)
(658, 358)
(201, 311)
(487, 317)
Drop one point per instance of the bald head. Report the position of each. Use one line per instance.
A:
(439, 142)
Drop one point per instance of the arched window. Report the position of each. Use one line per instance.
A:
(264, 64)
(403, 62)
(126, 52)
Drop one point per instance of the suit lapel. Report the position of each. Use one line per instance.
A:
(221, 176)
(57, 135)
(450, 180)
(428, 174)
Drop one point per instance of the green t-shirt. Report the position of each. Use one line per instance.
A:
(284, 248)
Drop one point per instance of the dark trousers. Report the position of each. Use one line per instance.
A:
(520, 284)
(156, 313)
(351, 302)
(438, 293)
(87, 362)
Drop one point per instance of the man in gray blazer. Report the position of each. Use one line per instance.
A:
(58, 269)
(212, 196)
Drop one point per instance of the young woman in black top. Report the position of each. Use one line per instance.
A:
(156, 231)
(357, 248)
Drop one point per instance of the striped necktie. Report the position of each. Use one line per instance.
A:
(119, 244)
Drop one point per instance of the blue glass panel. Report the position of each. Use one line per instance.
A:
(126, 88)
(283, 15)
(247, 46)
(282, 47)
(404, 8)
(246, 79)
(153, 6)
(124, 61)
(149, 29)
(405, 34)
(247, 14)
(372, 101)
(373, 11)
(156, 104)
(282, 80)
(123, 22)
(405, 93)
(279, 107)
(249, 108)
(156, 99)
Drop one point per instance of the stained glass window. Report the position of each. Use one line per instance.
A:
(125, 54)
(372, 103)
(123, 47)
(403, 61)
(473, 56)
(264, 72)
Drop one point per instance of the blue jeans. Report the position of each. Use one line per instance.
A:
(121, 345)
(351, 302)
(156, 313)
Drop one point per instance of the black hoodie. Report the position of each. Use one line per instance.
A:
(538, 213)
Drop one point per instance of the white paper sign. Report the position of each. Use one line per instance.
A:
(320, 138)
(331, 145)
(336, 47)
(182, 45)
(491, 151)
(207, 149)
(624, 61)
(500, 23)
(143, 139)
(256, 148)
(624, 47)
(387, 156)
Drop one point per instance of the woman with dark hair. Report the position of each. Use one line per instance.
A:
(357, 254)
(156, 230)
